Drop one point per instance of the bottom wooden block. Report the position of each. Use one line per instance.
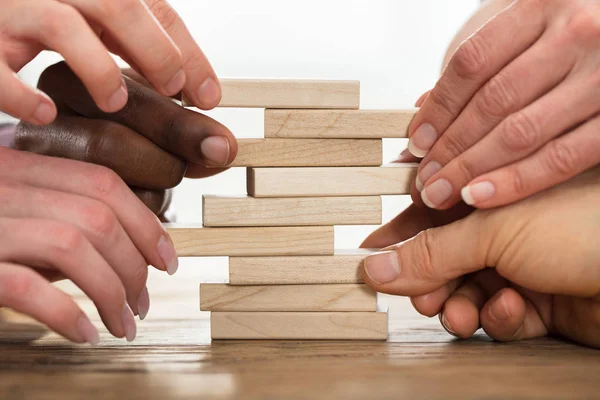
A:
(299, 325)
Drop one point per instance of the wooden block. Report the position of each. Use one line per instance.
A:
(288, 93)
(308, 152)
(293, 211)
(330, 181)
(271, 241)
(362, 124)
(299, 325)
(343, 267)
(343, 297)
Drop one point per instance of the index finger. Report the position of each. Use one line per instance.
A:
(477, 60)
(188, 134)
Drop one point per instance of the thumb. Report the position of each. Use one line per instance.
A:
(430, 259)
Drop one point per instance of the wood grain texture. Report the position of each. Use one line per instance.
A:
(343, 267)
(299, 325)
(252, 241)
(295, 211)
(288, 93)
(334, 124)
(308, 152)
(343, 297)
(330, 181)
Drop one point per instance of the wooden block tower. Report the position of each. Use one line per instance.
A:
(318, 165)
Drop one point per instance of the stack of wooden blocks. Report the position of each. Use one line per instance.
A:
(318, 165)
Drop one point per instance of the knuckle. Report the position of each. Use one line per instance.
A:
(422, 256)
(164, 13)
(441, 99)
(467, 169)
(117, 8)
(584, 26)
(562, 159)
(105, 181)
(520, 132)
(498, 97)
(170, 61)
(453, 145)
(101, 221)
(68, 241)
(470, 58)
(518, 182)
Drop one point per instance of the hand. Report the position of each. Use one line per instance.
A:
(148, 34)
(521, 271)
(516, 109)
(69, 219)
(151, 143)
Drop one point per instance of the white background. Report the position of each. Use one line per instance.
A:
(394, 48)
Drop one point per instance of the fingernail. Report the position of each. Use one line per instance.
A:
(209, 93)
(88, 330)
(499, 310)
(118, 99)
(144, 303)
(437, 193)
(446, 324)
(216, 150)
(422, 140)
(478, 192)
(128, 323)
(382, 267)
(404, 156)
(45, 113)
(427, 172)
(175, 84)
(167, 253)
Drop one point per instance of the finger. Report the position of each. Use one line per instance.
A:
(465, 149)
(130, 23)
(431, 304)
(27, 292)
(577, 319)
(478, 59)
(22, 101)
(406, 157)
(422, 99)
(96, 222)
(137, 160)
(65, 248)
(429, 260)
(509, 317)
(158, 201)
(102, 184)
(61, 28)
(202, 86)
(188, 134)
(556, 162)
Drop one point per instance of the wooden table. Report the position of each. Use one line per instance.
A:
(173, 357)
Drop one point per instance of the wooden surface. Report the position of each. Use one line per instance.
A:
(343, 267)
(253, 241)
(361, 124)
(308, 153)
(330, 181)
(299, 325)
(221, 211)
(288, 93)
(335, 297)
(173, 358)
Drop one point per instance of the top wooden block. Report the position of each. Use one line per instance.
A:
(332, 124)
(289, 93)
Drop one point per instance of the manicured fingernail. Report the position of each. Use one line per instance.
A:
(175, 84)
(422, 140)
(128, 323)
(437, 193)
(446, 324)
(478, 192)
(499, 310)
(404, 157)
(209, 93)
(167, 253)
(427, 172)
(144, 303)
(88, 330)
(45, 112)
(118, 99)
(215, 149)
(382, 267)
